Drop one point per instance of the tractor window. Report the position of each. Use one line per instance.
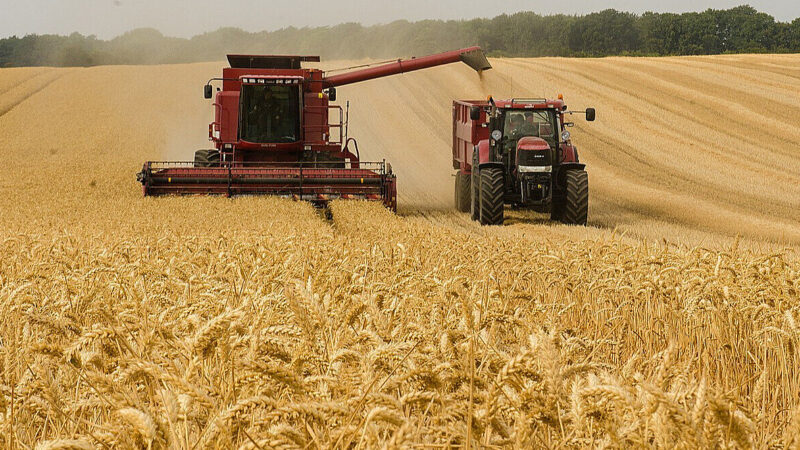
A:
(270, 113)
(522, 123)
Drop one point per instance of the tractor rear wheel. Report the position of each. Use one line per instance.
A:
(463, 192)
(576, 207)
(206, 158)
(491, 202)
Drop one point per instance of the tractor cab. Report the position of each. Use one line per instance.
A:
(520, 127)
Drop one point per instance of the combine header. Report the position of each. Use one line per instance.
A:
(275, 133)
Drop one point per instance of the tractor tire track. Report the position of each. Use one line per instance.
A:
(11, 85)
(655, 177)
(5, 109)
(677, 107)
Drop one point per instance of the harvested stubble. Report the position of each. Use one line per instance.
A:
(376, 331)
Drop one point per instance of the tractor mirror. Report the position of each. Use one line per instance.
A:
(590, 114)
(207, 91)
(475, 113)
(332, 94)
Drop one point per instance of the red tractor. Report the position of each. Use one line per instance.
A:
(273, 134)
(518, 152)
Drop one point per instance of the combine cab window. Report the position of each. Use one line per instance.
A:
(270, 113)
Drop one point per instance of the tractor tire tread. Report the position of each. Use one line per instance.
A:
(491, 201)
(576, 207)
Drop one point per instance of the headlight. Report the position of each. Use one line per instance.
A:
(497, 134)
(565, 135)
(535, 169)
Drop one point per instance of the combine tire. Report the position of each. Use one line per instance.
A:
(491, 202)
(206, 158)
(462, 193)
(576, 207)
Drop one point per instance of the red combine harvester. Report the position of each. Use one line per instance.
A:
(273, 135)
(518, 152)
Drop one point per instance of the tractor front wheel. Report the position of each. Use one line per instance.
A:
(463, 192)
(575, 210)
(491, 201)
(206, 158)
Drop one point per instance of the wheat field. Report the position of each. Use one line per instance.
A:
(672, 320)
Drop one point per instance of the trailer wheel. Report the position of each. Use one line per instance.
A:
(576, 207)
(475, 198)
(491, 202)
(462, 192)
(206, 158)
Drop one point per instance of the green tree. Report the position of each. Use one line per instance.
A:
(605, 33)
(609, 32)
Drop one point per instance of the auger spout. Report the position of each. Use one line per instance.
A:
(472, 56)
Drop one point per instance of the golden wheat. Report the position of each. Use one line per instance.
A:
(368, 337)
(257, 323)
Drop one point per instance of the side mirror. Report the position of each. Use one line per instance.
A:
(332, 94)
(208, 91)
(590, 114)
(475, 113)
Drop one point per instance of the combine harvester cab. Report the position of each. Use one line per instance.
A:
(275, 132)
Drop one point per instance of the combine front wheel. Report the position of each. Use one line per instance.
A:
(576, 207)
(491, 202)
(206, 158)
(462, 194)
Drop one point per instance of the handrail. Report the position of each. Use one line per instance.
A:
(322, 128)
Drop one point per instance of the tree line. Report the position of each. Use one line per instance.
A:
(741, 29)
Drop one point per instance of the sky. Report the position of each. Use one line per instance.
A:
(184, 18)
